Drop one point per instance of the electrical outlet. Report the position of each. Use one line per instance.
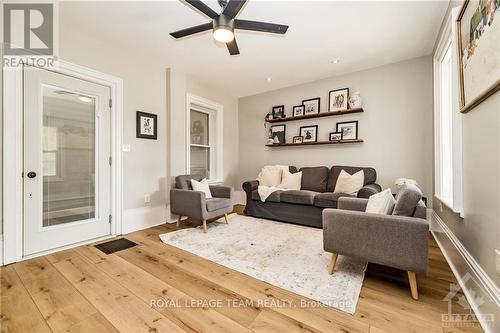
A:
(147, 199)
(440, 207)
(497, 261)
(126, 148)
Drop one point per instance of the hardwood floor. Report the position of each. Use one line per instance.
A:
(135, 290)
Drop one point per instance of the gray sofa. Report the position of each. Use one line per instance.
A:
(306, 206)
(186, 202)
(399, 240)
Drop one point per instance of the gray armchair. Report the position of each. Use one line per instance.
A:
(399, 241)
(186, 202)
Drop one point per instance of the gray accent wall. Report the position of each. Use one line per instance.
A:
(396, 125)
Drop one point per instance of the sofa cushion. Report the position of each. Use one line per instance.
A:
(328, 199)
(314, 179)
(218, 203)
(183, 182)
(273, 197)
(370, 175)
(407, 200)
(301, 197)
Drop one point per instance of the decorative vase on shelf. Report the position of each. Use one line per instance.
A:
(355, 100)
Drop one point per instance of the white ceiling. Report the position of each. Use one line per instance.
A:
(361, 34)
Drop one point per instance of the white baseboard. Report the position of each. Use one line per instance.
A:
(144, 217)
(475, 283)
(240, 197)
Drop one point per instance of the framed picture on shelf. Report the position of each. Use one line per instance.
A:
(298, 139)
(311, 106)
(278, 111)
(298, 110)
(336, 136)
(278, 133)
(146, 125)
(309, 133)
(338, 100)
(349, 130)
(478, 52)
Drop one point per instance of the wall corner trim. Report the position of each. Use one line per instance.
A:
(487, 288)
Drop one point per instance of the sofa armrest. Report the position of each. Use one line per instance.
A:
(369, 190)
(250, 186)
(188, 203)
(356, 204)
(219, 191)
(396, 241)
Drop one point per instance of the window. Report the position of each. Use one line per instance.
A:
(50, 151)
(447, 123)
(205, 138)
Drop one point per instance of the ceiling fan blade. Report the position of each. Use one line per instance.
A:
(233, 47)
(203, 8)
(192, 30)
(260, 26)
(233, 7)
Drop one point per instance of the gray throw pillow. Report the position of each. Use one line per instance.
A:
(407, 200)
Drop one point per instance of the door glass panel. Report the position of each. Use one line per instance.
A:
(68, 143)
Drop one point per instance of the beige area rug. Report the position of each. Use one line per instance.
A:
(284, 255)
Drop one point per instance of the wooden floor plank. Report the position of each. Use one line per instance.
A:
(118, 305)
(18, 312)
(153, 290)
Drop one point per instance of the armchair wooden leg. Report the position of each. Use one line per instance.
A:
(413, 284)
(331, 268)
(225, 218)
(205, 226)
(178, 224)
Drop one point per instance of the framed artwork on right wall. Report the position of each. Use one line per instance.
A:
(478, 28)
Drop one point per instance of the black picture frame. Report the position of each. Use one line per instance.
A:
(310, 100)
(281, 134)
(330, 99)
(153, 117)
(278, 111)
(305, 139)
(298, 139)
(355, 122)
(295, 114)
(330, 136)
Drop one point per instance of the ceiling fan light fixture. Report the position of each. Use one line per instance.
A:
(223, 34)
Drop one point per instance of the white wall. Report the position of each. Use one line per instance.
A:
(396, 124)
(151, 84)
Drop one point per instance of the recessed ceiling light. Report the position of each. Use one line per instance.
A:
(334, 61)
(268, 79)
(85, 99)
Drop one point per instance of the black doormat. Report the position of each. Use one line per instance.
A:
(115, 245)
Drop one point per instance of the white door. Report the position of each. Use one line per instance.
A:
(67, 172)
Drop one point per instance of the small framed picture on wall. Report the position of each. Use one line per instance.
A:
(146, 125)
(309, 133)
(336, 136)
(311, 106)
(338, 100)
(298, 139)
(298, 110)
(278, 111)
(349, 130)
(278, 133)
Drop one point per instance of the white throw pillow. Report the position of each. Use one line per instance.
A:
(270, 175)
(350, 184)
(291, 181)
(202, 186)
(381, 203)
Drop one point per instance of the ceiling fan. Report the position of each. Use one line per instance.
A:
(223, 24)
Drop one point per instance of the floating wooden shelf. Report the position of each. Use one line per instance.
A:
(316, 115)
(315, 143)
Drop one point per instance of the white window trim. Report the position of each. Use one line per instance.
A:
(447, 37)
(13, 155)
(216, 136)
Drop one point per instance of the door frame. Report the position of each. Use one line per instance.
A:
(13, 219)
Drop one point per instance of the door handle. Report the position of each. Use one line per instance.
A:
(31, 174)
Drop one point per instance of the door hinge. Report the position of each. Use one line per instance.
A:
(110, 160)
(110, 218)
(110, 103)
